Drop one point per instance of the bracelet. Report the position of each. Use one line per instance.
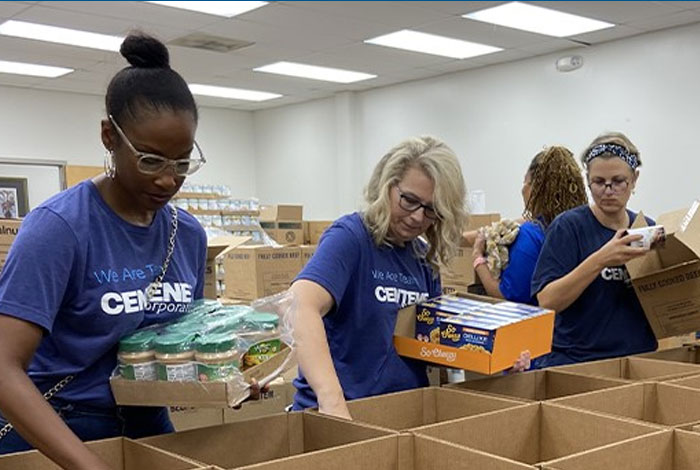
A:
(479, 261)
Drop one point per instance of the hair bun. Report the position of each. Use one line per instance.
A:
(144, 51)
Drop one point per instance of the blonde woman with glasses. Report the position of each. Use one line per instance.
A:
(581, 269)
(367, 266)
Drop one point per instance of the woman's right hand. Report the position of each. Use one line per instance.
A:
(618, 250)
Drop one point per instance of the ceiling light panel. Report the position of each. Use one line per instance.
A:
(315, 72)
(34, 70)
(417, 41)
(537, 19)
(225, 9)
(55, 34)
(232, 93)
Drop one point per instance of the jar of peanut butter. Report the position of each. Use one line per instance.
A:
(217, 356)
(175, 356)
(137, 360)
(264, 338)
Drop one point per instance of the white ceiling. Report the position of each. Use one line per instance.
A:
(326, 33)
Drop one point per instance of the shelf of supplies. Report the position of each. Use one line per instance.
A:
(199, 196)
(241, 212)
(242, 228)
(204, 211)
(222, 212)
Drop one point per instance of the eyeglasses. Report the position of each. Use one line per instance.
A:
(151, 164)
(412, 204)
(617, 186)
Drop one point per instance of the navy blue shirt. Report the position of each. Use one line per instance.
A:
(79, 271)
(607, 319)
(369, 284)
(522, 258)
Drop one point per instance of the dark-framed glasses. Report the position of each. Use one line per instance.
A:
(410, 203)
(616, 185)
(151, 164)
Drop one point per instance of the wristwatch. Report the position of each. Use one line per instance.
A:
(479, 261)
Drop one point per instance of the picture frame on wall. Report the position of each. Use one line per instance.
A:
(14, 200)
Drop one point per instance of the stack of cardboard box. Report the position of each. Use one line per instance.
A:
(8, 231)
(283, 223)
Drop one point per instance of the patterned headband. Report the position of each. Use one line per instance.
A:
(618, 150)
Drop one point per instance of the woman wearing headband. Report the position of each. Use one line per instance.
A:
(581, 270)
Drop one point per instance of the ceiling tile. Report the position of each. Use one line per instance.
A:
(610, 34)
(619, 12)
(8, 79)
(8, 9)
(455, 8)
(668, 21)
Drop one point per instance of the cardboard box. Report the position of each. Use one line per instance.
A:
(217, 247)
(121, 453)
(690, 382)
(275, 401)
(667, 280)
(184, 419)
(197, 394)
(673, 342)
(475, 221)
(633, 368)
(537, 385)
(401, 452)
(402, 411)
(315, 230)
(256, 271)
(275, 212)
(658, 403)
(8, 231)
(533, 334)
(689, 354)
(307, 251)
(665, 450)
(264, 439)
(537, 432)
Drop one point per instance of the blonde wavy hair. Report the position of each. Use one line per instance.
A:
(440, 164)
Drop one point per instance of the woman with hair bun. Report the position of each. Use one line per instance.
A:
(97, 261)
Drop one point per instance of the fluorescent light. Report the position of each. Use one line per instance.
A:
(432, 44)
(227, 9)
(232, 93)
(35, 70)
(538, 20)
(315, 72)
(72, 37)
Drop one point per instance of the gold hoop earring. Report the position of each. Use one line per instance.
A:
(109, 164)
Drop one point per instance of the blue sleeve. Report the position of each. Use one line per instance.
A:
(517, 277)
(334, 262)
(38, 270)
(559, 255)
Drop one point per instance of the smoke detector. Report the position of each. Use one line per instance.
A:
(569, 63)
(209, 42)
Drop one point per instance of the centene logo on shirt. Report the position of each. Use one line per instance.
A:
(614, 274)
(395, 295)
(170, 298)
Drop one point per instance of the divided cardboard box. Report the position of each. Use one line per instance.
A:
(255, 271)
(8, 231)
(665, 450)
(658, 403)
(667, 280)
(537, 385)
(398, 452)
(402, 411)
(535, 433)
(533, 334)
(264, 439)
(689, 354)
(633, 368)
(121, 453)
(283, 223)
(459, 273)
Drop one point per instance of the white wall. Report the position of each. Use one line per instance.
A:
(66, 126)
(496, 119)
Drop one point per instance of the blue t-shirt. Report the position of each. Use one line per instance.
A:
(369, 284)
(607, 319)
(522, 258)
(79, 271)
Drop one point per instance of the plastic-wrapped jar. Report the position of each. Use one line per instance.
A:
(175, 356)
(137, 360)
(218, 358)
(265, 339)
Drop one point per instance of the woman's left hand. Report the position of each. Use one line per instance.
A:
(521, 364)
